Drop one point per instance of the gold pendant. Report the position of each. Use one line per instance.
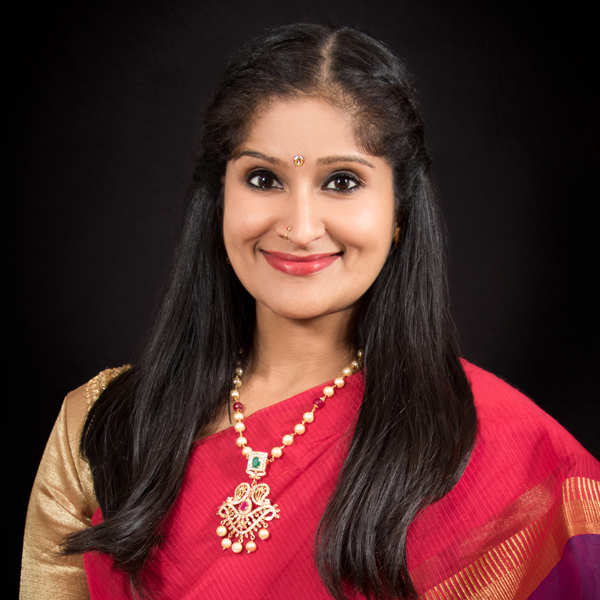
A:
(248, 512)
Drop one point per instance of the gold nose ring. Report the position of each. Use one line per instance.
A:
(288, 232)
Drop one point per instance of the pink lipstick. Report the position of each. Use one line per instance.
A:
(299, 265)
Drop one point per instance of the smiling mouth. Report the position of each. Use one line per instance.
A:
(299, 265)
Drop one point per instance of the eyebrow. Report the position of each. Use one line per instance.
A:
(326, 160)
(329, 160)
(254, 154)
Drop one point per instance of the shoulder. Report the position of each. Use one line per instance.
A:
(74, 413)
(496, 399)
(65, 440)
(528, 487)
(95, 386)
(512, 425)
(78, 402)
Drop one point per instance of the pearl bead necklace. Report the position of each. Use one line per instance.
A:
(240, 519)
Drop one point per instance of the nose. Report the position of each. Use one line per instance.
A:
(304, 216)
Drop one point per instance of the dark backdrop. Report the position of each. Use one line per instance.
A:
(107, 103)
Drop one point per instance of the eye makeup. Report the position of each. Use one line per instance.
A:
(342, 182)
(263, 179)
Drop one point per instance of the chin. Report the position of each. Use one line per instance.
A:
(301, 309)
(299, 313)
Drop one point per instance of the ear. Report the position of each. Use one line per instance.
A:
(397, 229)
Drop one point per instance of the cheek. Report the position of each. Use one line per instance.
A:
(236, 222)
(369, 229)
(239, 227)
(245, 221)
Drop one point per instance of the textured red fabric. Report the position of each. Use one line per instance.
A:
(514, 478)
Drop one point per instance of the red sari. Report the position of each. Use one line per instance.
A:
(523, 521)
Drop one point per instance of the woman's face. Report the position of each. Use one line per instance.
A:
(338, 206)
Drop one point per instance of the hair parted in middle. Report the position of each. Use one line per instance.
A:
(417, 422)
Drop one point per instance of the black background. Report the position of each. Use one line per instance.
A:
(107, 101)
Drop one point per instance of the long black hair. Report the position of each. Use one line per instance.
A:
(416, 426)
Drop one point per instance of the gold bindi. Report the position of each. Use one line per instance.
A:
(298, 160)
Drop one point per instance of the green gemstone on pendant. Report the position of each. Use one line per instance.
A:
(255, 462)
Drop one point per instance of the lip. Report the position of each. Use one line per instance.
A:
(293, 264)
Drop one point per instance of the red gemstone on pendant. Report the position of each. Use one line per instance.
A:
(237, 406)
(244, 506)
(319, 403)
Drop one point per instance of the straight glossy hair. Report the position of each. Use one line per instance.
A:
(417, 422)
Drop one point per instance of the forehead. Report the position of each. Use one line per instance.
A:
(302, 126)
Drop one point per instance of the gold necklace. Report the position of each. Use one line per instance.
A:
(248, 512)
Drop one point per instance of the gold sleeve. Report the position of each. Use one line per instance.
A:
(62, 501)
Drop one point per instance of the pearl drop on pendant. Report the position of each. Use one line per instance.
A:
(221, 531)
(251, 546)
(226, 543)
(263, 534)
(237, 547)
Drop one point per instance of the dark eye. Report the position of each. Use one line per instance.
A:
(264, 180)
(342, 182)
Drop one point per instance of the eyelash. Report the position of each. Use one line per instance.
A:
(344, 175)
(356, 181)
(262, 173)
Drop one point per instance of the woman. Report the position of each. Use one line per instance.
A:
(312, 248)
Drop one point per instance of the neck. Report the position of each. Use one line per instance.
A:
(292, 355)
